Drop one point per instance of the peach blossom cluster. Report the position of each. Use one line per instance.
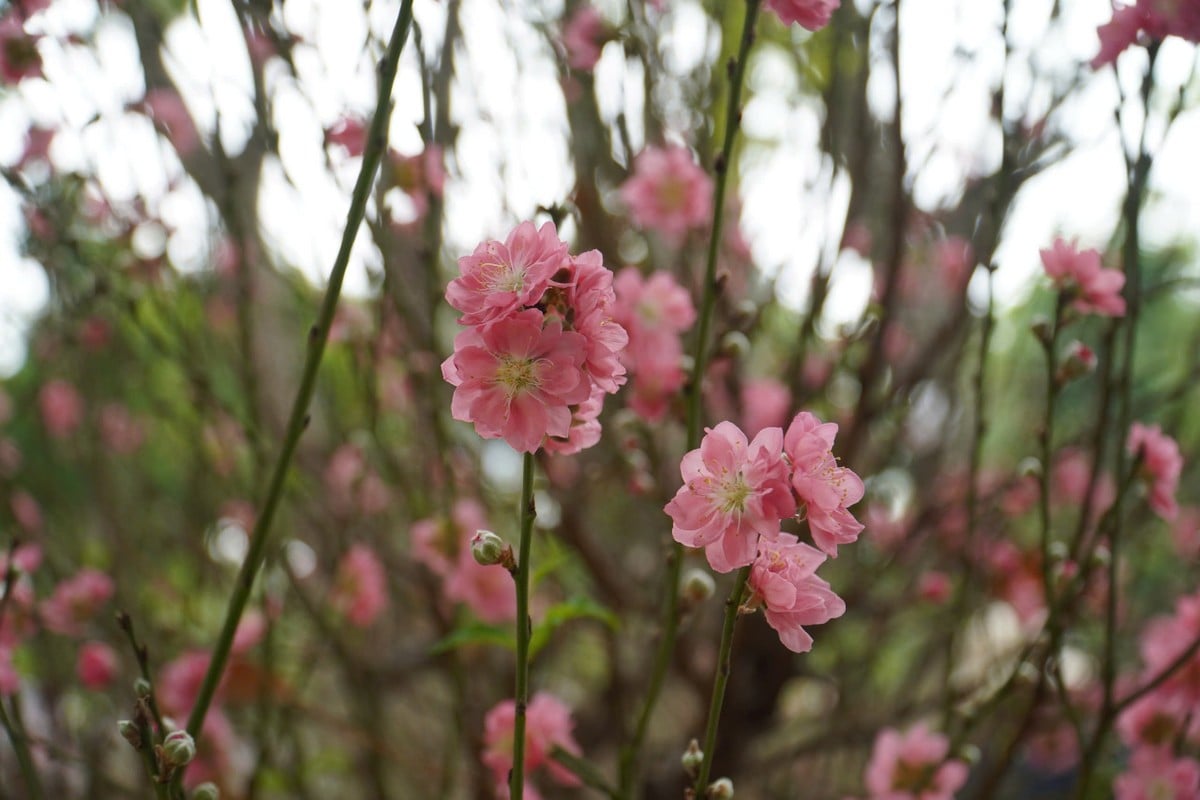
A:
(735, 495)
(913, 766)
(542, 347)
(1094, 289)
(655, 311)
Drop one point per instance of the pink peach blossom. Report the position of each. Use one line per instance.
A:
(591, 305)
(913, 766)
(488, 591)
(1161, 464)
(348, 133)
(668, 192)
(26, 511)
(499, 279)
(121, 431)
(825, 489)
(583, 38)
(75, 601)
(784, 578)
(734, 491)
(765, 403)
(1095, 290)
(179, 682)
(548, 725)
(96, 665)
(516, 380)
(934, 587)
(810, 14)
(61, 407)
(1154, 774)
(360, 589)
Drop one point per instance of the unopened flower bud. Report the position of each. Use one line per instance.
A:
(735, 344)
(970, 754)
(697, 586)
(178, 749)
(130, 733)
(692, 758)
(720, 789)
(1101, 556)
(1078, 360)
(141, 687)
(1029, 468)
(488, 548)
(206, 791)
(1041, 329)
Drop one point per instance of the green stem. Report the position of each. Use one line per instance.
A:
(732, 606)
(521, 575)
(318, 336)
(20, 743)
(700, 355)
(585, 771)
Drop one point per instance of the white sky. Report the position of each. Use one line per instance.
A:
(512, 153)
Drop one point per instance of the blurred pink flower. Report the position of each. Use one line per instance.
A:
(548, 725)
(179, 682)
(250, 631)
(654, 311)
(499, 279)
(1153, 774)
(418, 176)
(913, 766)
(1163, 640)
(516, 379)
(811, 14)
(934, 587)
(955, 260)
(1185, 532)
(1161, 466)
(360, 588)
(784, 578)
(733, 492)
(37, 145)
(121, 432)
(584, 37)
(171, 116)
(75, 601)
(825, 489)
(1095, 290)
(668, 192)
(765, 404)
(488, 591)
(26, 511)
(1071, 474)
(61, 407)
(348, 133)
(96, 665)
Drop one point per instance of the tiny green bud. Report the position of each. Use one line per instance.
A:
(721, 789)
(735, 344)
(488, 548)
(141, 687)
(697, 586)
(206, 791)
(1030, 468)
(970, 754)
(692, 758)
(130, 733)
(178, 749)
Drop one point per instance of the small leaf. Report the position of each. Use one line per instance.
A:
(475, 633)
(562, 613)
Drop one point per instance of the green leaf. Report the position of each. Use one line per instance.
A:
(471, 633)
(562, 613)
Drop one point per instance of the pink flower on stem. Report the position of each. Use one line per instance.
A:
(96, 665)
(548, 725)
(810, 14)
(75, 601)
(500, 279)
(516, 380)
(348, 133)
(591, 302)
(668, 192)
(584, 37)
(784, 578)
(825, 489)
(1161, 466)
(61, 407)
(585, 427)
(733, 492)
(913, 766)
(1095, 290)
(1154, 774)
(360, 588)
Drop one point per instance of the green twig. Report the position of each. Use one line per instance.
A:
(521, 575)
(585, 771)
(318, 336)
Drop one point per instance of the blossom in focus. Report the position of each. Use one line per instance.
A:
(360, 588)
(1154, 774)
(61, 407)
(501, 278)
(591, 305)
(96, 665)
(516, 380)
(810, 14)
(913, 766)
(75, 601)
(784, 578)
(1161, 464)
(1095, 289)
(733, 492)
(583, 37)
(668, 192)
(548, 724)
(825, 489)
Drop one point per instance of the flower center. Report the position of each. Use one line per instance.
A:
(913, 777)
(501, 277)
(517, 375)
(732, 495)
